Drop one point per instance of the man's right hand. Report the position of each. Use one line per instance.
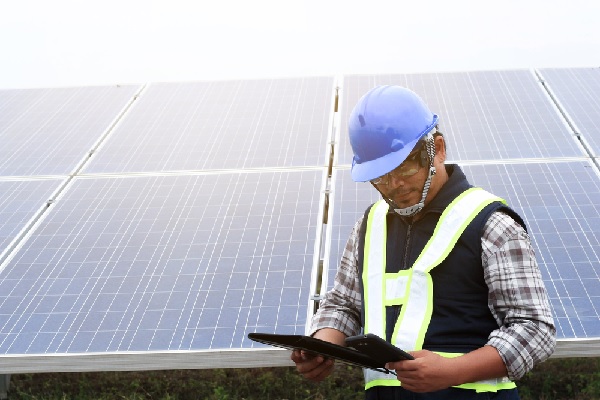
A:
(313, 367)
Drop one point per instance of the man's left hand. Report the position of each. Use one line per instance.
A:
(428, 372)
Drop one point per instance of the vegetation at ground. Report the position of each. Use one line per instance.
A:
(572, 379)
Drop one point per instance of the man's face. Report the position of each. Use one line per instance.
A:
(404, 185)
(405, 191)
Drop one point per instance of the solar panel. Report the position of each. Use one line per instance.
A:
(222, 125)
(487, 115)
(50, 131)
(578, 91)
(560, 203)
(164, 263)
(20, 201)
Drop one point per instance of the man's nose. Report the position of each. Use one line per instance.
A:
(396, 180)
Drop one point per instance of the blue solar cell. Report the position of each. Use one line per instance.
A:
(50, 131)
(145, 280)
(490, 115)
(19, 202)
(578, 92)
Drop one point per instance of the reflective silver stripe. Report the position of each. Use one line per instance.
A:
(375, 286)
(375, 241)
(495, 381)
(396, 286)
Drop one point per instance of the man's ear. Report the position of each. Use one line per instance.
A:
(440, 149)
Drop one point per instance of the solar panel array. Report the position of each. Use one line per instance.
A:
(191, 221)
(149, 227)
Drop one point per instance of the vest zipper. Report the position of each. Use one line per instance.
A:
(406, 248)
(405, 265)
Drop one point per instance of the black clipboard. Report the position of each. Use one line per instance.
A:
(313, 345)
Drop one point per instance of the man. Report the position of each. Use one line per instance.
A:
(438, 268)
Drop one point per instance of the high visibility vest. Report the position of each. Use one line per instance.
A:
(413, 288)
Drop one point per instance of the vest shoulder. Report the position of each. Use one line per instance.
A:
(504, 209)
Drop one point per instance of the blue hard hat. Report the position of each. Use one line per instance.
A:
(384, 127)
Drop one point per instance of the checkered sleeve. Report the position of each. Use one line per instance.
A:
(517, 296)
(340, 307)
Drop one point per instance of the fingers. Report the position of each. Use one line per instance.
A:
(409, 373)
(312, 367)
(402, 366)
(408, 365)
(427, 372)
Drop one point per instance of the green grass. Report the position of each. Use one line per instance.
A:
(575, 379)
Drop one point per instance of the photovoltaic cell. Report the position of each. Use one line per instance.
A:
(19, 202)
(578, 91)
(560, 203)
(488, 115)
(49, 131)
(222, 125)
(164, 263)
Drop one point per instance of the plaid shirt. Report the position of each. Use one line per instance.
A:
(517, 297)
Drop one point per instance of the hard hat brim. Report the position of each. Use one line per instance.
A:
(372, 169)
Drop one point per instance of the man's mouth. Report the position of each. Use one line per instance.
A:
(400, 194)
(403, 198)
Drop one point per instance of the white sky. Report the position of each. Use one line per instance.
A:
(50, 43)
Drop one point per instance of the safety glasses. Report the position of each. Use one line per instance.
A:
(409, 167)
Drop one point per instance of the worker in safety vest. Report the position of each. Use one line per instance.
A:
(437, 267)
